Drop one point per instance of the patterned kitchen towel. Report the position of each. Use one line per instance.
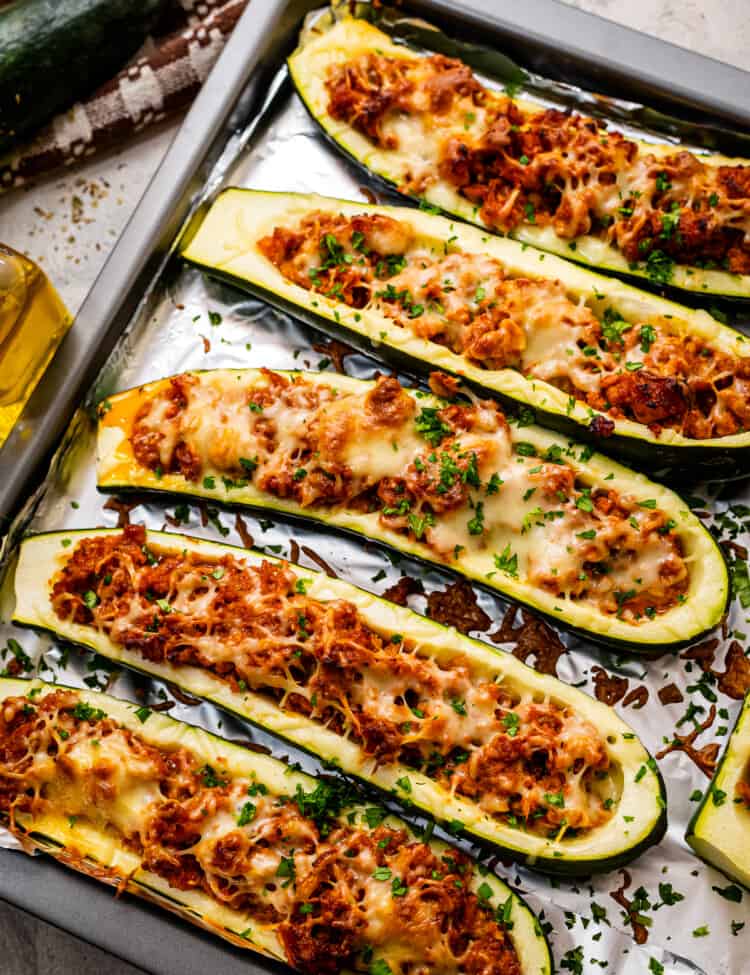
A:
(162, 79)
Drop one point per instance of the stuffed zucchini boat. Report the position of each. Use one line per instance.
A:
(594, 546)
(719, 832)
(242, 845)
(557, 180)
(664, 386)
(467, 733)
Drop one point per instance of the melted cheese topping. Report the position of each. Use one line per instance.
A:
(255, 628)
(336, 891)
(648, 371)
(452, 478)
(436, 123)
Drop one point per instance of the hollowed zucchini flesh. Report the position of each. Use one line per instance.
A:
(94, 848)
(225, 245)
(639, 812)
(699, 609)
(349, 38)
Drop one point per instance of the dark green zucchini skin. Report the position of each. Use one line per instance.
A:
(683, 464)
(557, 622)
(53, 52)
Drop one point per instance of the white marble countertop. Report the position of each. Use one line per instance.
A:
(69, 223)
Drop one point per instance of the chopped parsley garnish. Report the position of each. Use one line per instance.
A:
(247, 814)
(20, 655)
(613, 327)
(511, 722)
(718, 796)
(584, 502)
(647, 336)
(530, 519)
(85, 712)
(476, 524)
(493, 485)
(210, 778)
(379, 966)
(730, 893)
(555, 799)
(431, 427)
(485, 892)
(507, 562)
(659, 267)
(420, 523)
(374, 816)
(326, 801)
(286, 868)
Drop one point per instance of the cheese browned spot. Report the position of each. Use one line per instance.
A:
(648, 371)
(545, 167)
(450, 477)
(254, 628)
(337, 892)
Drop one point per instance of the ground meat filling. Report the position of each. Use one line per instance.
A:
(535, 764)
(547, 167)
(642, 371)
(338, 892)
(450, 477)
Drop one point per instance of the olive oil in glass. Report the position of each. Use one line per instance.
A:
(33, 321)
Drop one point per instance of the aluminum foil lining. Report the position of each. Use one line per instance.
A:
(667, 909)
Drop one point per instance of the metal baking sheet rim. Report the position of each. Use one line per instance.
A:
(67, 900)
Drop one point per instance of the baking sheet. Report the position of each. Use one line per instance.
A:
(589, 928)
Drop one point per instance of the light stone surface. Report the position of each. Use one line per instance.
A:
(70, 222)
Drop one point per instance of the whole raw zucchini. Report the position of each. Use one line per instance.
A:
(52, 52)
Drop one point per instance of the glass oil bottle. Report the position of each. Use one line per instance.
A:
(33, 321)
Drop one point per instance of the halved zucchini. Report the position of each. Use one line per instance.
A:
(349, 38)
(639, 809)
(95, 848)
(719, 831)
(225, 245)
(493, 555)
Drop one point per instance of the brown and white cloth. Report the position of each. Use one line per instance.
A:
(161, 80)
